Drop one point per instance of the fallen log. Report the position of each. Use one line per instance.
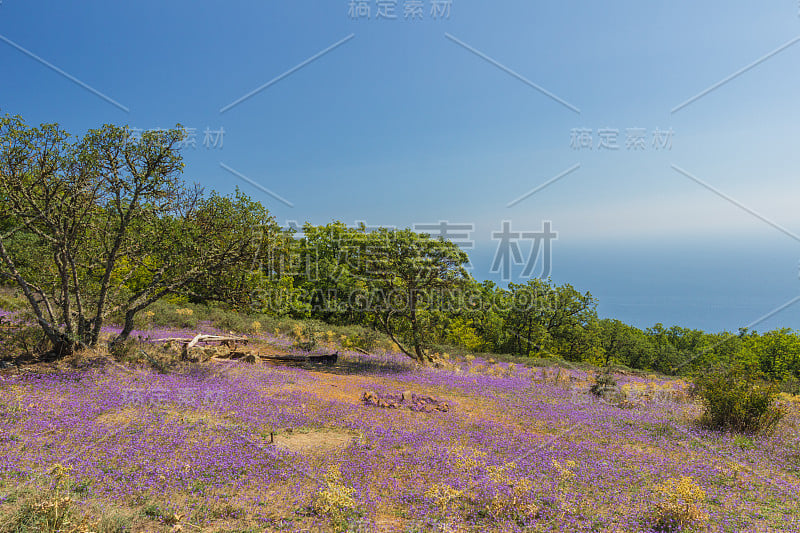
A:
(204, 338)
(296, 360)
(190, 344)
(324, 359)
(195, 340)
(228, 340)
(284, 359)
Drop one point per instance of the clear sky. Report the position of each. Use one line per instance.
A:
(457, 117)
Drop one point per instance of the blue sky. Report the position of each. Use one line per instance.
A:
(414, 121)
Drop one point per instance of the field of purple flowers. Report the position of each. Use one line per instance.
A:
(241, 447)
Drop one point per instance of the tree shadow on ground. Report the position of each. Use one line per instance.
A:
(347, 365)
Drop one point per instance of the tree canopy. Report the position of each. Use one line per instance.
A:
(105, 225)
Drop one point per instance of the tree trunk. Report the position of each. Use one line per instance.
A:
(419, 350)
(126, 330)
(530, 329)
(64, 347)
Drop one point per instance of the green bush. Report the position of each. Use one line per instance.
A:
(305, 337)
(45, 509)
(10, 301)
(790, 385)
(232, 321)
(22, 340)
(737, 401)
(358, 337)
(678, 506)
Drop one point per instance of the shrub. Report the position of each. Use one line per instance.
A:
(233, 321)
(359, 338)
(45, 510)
(305, 337)
(513, 498)
(184, 318)
(461, 333)
(790, 385)
(336, 500)
(736, 401)
(20, 339)
(443, 496)
(13, 301)
(677, 506)
(114, 522)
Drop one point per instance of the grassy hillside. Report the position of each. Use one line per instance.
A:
(144, 442)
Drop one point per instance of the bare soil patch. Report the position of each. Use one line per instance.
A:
(314, 441)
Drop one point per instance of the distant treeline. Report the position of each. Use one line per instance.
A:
(99, 228)
(331, 274)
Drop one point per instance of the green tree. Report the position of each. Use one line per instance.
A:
(552, 319)
(484, 306)
(325, 271)
(624, 344)
(776, 353)
(666, 357)
(242, 284)
(407, 273)
(112, 223)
